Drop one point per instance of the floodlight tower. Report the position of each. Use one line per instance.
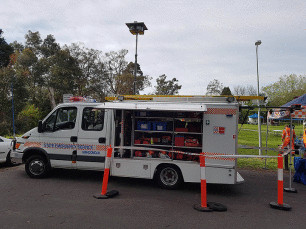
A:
(135, 29)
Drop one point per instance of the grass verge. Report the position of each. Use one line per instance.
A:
(248, 135)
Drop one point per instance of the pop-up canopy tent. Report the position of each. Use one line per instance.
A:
(285, 114)
(253, 119)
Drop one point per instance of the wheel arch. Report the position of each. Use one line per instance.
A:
(35, 151)
(162, 165)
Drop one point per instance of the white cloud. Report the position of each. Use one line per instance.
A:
(194, 41)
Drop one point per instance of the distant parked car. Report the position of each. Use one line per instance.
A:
(5, 150)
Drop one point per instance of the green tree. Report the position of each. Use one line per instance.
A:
(29, 66)
(18, 47)
(8, 78)
(42, 71)
(285, 89)
(214, 87)
(91, 80)
(5, 102)
(167, 87)
(5, 51)
(52, 70)
(115, 63)
(226, 91)
(125, 81)
(33, 41)
(61, 75)
(119, 75)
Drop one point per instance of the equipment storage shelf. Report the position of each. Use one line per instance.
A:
(153, 145)
(170, 131)
(152, 131)
(187, 133)
(188, 147)
(157, 118)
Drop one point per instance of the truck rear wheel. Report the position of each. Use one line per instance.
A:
(169, 177)
(37, 166)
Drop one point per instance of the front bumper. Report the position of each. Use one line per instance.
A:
(16, 157)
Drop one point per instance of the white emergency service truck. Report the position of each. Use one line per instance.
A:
(157, 139)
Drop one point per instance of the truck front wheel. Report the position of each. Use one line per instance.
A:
(169, 177)
(36, 166)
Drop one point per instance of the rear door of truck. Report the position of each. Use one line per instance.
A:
(220, 138)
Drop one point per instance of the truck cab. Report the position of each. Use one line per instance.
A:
(72, 136)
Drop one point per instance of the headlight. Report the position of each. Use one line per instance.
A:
(17, 145)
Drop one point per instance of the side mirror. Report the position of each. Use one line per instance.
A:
(40, 126)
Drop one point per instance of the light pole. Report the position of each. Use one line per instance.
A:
(135, 29)
(259, 121)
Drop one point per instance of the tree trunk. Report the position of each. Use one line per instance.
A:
(51, 97)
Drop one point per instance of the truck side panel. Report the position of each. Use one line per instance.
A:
(146, 168)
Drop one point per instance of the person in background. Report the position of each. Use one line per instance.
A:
(286, 137)
(286, 142)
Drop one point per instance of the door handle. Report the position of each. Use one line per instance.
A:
(73, 138)
(102, 140)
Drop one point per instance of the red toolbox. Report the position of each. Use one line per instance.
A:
(179, 141)
(181, 130)
(140, 154)
(192, 142)
(137, 141)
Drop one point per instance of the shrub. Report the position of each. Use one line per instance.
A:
(28, 118)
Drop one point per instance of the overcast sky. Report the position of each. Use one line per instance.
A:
(194, 41)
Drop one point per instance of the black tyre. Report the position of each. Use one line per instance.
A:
(169, 177)
(37, 166)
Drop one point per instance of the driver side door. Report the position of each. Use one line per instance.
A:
(59, 137)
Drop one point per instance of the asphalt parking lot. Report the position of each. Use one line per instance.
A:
(65, 200)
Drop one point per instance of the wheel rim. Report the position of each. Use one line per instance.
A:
(169, 176)
(37, 167)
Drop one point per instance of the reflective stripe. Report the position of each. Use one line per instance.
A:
(108, 158)
(280, 182)
(107, 163)
(202, 166)
(203, 174)
(280, 175)
(203, 181)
